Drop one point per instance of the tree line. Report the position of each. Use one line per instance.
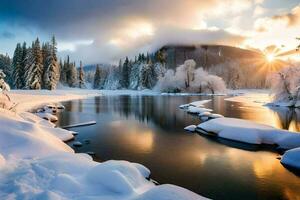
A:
(37, 67)
(139, 73)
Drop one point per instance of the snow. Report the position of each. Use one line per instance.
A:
(190, 128)
(251, 132)
(214, 115)
(31, 99)
(35, 163)
(197, 110)
(199, 103)
(195, 104)
(250, 97)
(77, 144)
(291, 158)
(205, 114)
(47, 116)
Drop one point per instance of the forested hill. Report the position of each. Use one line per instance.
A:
(205, 55)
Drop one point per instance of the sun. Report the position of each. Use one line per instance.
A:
(270, 57)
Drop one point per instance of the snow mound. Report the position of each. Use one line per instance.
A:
(199, 103)
(184, 106)
(214, 116)
(197, 110)
(47, 116)
(75, 176)
(190, 128)
(35, 119)
(251, 132)
(21, 138)
(195, 104)
(291, 158)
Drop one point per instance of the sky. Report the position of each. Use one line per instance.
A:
(103, 31)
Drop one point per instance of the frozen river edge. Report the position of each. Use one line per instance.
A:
(35, 162)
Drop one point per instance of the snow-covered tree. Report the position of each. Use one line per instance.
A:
(81, 77)
(97, 78)
(72, 78)
(51, 73)
(125, 73)
(187, 79)
(4, 87)
(285, 86)
(34, 66)
(148, 76)
(5, 65)
(18, 70)
(185, 72)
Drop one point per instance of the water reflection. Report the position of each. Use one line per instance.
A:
(149, 130)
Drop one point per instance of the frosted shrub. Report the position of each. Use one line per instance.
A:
(285, 85)
(187, 79)
(5, 101)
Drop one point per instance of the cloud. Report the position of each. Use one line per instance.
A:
(113, 51)
(7, 35)
(291, 19)
(123, 27)
(259, 10)
(285, 20)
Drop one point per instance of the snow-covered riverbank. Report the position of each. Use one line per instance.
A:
(246, 131)
(36, 164)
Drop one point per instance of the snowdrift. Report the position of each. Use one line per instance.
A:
(251, 132)
(35, 163)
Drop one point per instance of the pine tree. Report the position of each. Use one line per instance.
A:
(22, 70)
(97, 78)
(34, 67)
(6, 66)
(81, 77)
(62, 77)
(51, 75)
(125, 73)
(72, 75)
(17, 67)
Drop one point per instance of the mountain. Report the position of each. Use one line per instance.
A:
(206, 55)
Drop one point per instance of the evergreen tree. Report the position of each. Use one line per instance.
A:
(62, 77)
(6, 67)
(125, 73)
(34, 67)
(17, 67)
(72, 75)
(51, 75)
(97, 78)
(81, 77)
(22, 71)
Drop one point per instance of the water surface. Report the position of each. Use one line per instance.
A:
(149, 130)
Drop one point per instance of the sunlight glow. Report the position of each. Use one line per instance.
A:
(140, 29)
(270, 57)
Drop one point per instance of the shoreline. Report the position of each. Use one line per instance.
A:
(35, 162)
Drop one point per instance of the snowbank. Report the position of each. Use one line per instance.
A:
(30, 99)
(197, 110)
(190, 128)
(36, 164)
(47, 116)
(291, 158)
(195, 104)
(251, 132)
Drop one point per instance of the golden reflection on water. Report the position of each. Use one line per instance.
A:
(264, 167)
(282, 118)
(139, 138)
